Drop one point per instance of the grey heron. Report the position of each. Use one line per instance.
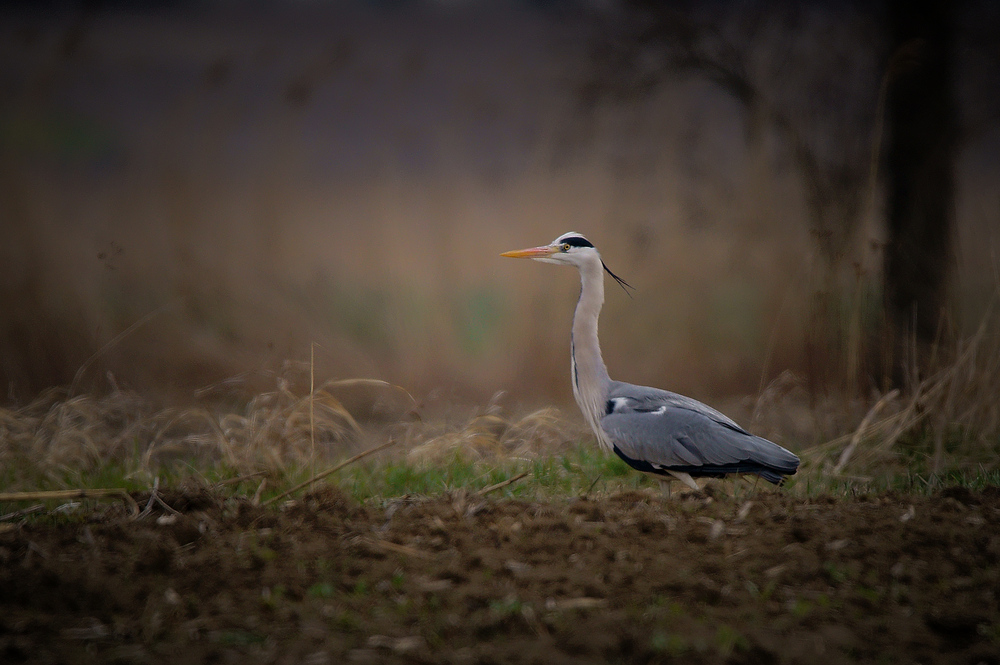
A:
(652, 430)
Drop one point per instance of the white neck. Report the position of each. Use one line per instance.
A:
(590, 376)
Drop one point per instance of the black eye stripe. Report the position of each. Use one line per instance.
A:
(577, 241)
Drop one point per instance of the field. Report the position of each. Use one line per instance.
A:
(458, 577)
(489, 539)
(213, 213)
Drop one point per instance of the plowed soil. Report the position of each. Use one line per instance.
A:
(629, 578)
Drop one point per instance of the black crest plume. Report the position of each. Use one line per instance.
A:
(621, 282)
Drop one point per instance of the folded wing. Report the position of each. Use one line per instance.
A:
(659, 431)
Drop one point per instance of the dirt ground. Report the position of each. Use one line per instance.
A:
(629, 578)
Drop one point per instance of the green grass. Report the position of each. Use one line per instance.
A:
(557, 469)
(573, 473)
(897, 479)
(578, 471)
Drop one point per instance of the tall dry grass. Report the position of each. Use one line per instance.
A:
(948, 425)
(61, 439)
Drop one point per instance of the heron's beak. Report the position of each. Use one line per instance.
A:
(533, 253)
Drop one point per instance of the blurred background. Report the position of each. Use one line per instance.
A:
(198, 197)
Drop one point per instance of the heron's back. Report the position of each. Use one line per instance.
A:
(658, 431)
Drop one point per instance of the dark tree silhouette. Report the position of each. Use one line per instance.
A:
(657, 40)
(920, 183)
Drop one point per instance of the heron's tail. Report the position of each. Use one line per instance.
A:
(775, 462)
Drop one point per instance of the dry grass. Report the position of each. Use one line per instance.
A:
(60, 433)
(489, 436)
(948, 421)
(58, 436)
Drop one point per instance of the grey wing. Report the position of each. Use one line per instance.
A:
(645, 398)
(655, 430)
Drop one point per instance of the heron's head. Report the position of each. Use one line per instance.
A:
(570, 249)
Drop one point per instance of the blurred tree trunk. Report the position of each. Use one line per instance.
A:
(920, 184)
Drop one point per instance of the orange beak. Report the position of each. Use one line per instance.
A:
(532, 253)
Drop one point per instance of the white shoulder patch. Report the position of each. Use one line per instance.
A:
(618, 404)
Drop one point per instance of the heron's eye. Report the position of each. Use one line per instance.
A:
(565, 247)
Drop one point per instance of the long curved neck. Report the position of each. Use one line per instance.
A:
(590, 376)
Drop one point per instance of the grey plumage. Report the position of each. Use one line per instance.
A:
(653, 430)
(657, 431)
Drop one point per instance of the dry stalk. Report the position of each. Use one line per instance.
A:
(375, 383)
(163, 504)
(260, 490)
(862, 428)
(71, 494)
(154, 497)
(114, 341)
(61, 494)
(312, 412)
(237, 481)
(326, 473)
(502, 483)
